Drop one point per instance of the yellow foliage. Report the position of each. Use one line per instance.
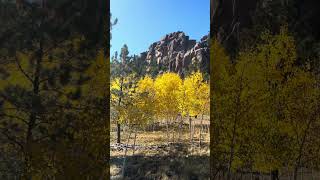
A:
(165, 97)
(194, 95)
(167, 88)
(99, 72)
(220, 65)
(264, 104)
(144, 100)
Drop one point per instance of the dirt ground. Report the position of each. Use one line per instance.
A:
(152, 157)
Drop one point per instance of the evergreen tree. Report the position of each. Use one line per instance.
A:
(46, 51)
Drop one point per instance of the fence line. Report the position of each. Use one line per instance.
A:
(303, 174)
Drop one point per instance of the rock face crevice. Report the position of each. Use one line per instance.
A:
(176, 52)
(236, 22)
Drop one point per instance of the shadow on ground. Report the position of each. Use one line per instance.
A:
(175, 164)
(164, 167)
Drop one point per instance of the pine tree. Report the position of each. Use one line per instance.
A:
(45, 54)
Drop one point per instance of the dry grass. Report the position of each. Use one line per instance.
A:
(153, 158)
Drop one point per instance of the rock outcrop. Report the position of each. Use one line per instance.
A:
(175, 52)
(233, 22)
(228, 19)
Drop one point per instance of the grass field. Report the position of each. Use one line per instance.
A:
(152, 156)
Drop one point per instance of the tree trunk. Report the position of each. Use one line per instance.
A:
(168, 135)
(298, 161)
(232, 145)
(295, 173)
(174, 128)
(134, 142)
(34, 112)
(190, 128)
(200, 131)
(173, 136)
(192, 134)
(231, 153)
(275, 174)
(125, 155)
(118, 133)
(180, 128)
(119, 104)
(153, 124)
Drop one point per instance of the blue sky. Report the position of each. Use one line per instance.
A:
(142, 22)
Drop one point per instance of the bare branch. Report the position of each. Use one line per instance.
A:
(21, 69)
(12, 139)
(15, 117)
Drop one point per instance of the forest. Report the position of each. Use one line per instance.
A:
(53, 90)
(265, 90)
(267, 109)
(247, 109)
(156, 119)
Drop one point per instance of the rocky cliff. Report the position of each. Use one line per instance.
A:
(176, 52)
(236, 23)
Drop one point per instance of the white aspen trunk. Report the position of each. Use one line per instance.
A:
(190, 128)
(180, 127)
(174, 127)
(192, 132)
(201, 127)
(200, 138)
(192, 135)
(168, 135)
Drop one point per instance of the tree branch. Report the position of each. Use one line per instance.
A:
(12, 139)
(15, 117)
(21, 69)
